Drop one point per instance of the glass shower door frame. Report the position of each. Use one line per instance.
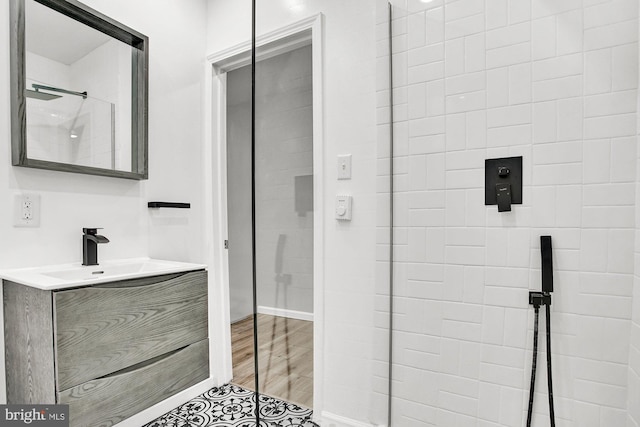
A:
(303, 32)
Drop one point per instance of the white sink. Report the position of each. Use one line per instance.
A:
(108, 270)
(70, 275)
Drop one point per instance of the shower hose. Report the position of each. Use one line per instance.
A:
(535, 361)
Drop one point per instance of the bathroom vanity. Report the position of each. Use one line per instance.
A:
(108, 345)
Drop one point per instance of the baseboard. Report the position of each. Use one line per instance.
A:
(332, 420)
(282, 312)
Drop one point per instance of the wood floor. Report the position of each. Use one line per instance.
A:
(285, 350)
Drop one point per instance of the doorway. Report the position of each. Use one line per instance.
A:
(284, 224)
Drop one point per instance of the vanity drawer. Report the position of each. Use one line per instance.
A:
(106, 328)
(125, 393)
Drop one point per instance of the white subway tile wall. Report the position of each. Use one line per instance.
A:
(557, 83)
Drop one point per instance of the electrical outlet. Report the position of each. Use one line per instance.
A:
(26, 210)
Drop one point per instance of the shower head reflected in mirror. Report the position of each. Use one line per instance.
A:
(43, 96)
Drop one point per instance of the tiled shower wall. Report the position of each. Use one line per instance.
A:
(555, 82)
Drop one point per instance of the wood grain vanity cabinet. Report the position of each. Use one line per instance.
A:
(108, 350)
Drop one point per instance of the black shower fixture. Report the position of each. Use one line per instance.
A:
(503, 182)
(538, 299)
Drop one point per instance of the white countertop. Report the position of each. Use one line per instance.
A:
(64, 276)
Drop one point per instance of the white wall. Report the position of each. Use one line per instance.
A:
(349, 128)
(176, 31)
(554, 82)
(70, 201)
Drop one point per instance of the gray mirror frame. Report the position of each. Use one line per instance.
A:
(140, 88)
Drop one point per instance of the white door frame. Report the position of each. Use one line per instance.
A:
(297, 34)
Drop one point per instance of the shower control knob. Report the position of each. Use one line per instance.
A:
(503, 171)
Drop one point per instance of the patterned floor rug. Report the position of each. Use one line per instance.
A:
(233, 406)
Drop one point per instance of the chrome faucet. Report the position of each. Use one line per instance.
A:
(90, 242)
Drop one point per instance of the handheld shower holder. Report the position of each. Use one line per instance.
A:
(537, 299)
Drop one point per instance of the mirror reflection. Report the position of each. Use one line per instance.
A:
(78, 90)
(84, 91)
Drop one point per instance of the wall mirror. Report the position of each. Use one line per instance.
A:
(78, 90)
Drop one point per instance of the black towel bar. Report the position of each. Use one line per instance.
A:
(169, 205)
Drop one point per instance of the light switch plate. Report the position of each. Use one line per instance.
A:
(343, 207)
(344, 166)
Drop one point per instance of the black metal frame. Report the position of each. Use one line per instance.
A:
(391, 288)
(253, 211)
